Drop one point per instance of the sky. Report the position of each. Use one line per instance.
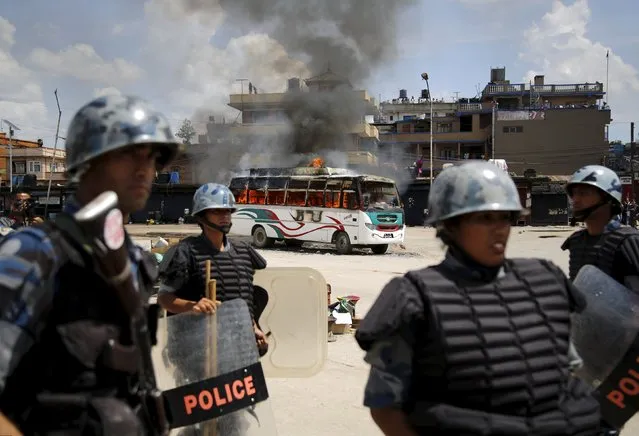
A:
(186, 58)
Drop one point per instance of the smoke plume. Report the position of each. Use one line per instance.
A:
(351, 38)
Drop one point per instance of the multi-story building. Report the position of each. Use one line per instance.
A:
(549, 128)
(30, 158)
(270, 114)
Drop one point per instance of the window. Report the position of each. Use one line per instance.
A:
(296, 192)
(19, 167)
(349, 195)
(257, 190)
(316, 193)
(238, 188)
(331, 194)
(444, 127)
(513, 129)
(35, 166)
(276, 192)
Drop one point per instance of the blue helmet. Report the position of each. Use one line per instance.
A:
(598, 176)
(213, 196)
(113, 122)
(475, 186)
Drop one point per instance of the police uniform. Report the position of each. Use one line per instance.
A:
(616, 251)
(183, 271)
(463, 349)
(68, 365)
(57, 316)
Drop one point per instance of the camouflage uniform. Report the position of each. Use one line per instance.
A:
(53, 317)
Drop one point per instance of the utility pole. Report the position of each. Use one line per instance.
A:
(53, 164)
(12, 129)
(632, 158)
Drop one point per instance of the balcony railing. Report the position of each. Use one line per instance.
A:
(470, 107)
(581, 88)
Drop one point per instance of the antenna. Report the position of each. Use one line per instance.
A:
(55, 148)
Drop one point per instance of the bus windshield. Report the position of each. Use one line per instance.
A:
(379, 195)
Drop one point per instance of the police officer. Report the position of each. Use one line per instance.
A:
(595, 193)
(479, 344)
(64, 365)
(20, 213)
(233, 264)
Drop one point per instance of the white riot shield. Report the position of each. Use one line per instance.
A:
(295, 318)
(208, 369)
(605, 336)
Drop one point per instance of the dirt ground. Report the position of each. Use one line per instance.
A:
(330, 402)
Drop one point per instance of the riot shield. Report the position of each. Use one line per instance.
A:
(208, 369)
(296, 320)
(605, 336)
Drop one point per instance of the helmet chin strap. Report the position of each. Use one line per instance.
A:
(583, 214)
(225, 229)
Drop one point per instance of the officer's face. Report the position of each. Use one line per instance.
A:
(221, 217)
(584, 196)
(483, 236)
(129, 173)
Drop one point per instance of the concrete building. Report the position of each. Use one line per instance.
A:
(30, 158)
(551, 129)
(267, 114)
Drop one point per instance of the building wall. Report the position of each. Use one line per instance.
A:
(563, 141)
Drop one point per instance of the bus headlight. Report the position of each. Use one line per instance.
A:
(370, 226)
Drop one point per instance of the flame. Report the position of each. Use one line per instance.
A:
(318, 162)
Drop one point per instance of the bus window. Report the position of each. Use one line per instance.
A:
(238, 187)
(257, 190)
(316, 193)
(349, 195)
(331, 194)
(276, 192)
(349, 200)
(380, 194)
(296, 192)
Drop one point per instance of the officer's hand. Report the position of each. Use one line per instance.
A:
(206, 306)
(260, 338)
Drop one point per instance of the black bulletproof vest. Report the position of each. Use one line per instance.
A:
(600, 253)
(232, 269)
(500, 364)
(72, 361)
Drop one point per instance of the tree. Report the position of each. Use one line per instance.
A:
(187, 132)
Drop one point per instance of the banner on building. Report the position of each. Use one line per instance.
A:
(521, 115)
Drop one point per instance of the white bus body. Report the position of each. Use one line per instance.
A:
(318, 205)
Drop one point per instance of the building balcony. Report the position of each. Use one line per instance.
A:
(278, 100)
(477, 137)
(362, 130)
(582, 89)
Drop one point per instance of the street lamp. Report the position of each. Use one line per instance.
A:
(430, 99)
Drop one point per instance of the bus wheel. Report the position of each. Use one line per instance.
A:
(343, 243)
(379, 249)
(260, 240)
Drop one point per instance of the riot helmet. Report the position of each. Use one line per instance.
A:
(602, 178)
(213, 196)
(476, 186)
(113, 122)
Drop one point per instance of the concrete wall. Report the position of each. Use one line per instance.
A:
(557, 145)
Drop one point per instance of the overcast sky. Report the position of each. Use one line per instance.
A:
(187, 61)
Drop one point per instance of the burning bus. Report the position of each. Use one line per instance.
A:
(318, 204)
